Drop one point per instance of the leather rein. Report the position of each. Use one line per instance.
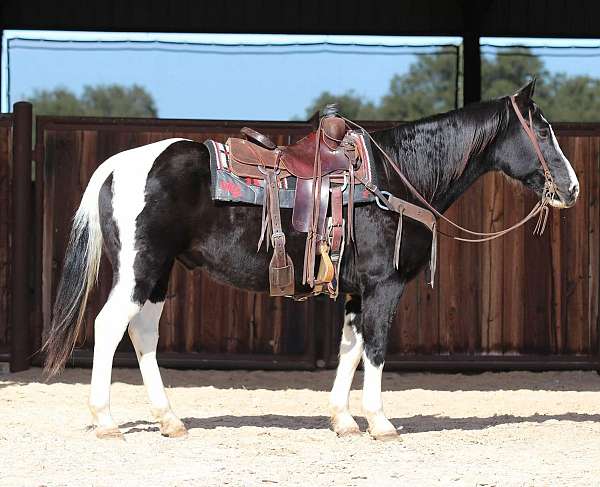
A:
(540, 209)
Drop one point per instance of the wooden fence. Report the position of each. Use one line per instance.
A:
(204, 323)
(517, 302)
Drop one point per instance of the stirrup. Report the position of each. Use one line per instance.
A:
(326, 268)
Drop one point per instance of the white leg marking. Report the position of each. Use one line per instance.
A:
(351, 347)
(143, 330)
(379, 425)
(109, 327)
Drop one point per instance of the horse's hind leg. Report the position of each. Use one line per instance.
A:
(109, 327)
(143, 331)
(351, 348)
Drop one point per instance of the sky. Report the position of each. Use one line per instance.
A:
(230, 76)
(215, 76)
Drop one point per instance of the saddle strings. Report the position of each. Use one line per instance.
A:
(540, 209)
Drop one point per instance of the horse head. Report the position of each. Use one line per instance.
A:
(529, 144)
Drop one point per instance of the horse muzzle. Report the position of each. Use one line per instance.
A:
(565, 199)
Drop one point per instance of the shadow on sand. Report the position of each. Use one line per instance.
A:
(413, 424)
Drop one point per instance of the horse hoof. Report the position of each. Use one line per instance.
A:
(386, 435)
(109, 433)
(173, 430)
(350, 431)
(345, 426)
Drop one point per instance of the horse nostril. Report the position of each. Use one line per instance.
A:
(574, 191)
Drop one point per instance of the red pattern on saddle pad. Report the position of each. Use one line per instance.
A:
(233, 189)
(253, 181)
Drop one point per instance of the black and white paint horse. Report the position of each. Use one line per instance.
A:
(148, 205)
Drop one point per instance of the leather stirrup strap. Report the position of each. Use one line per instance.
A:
(337, 238)
(337, 222)
(310, 250)
(281, 268)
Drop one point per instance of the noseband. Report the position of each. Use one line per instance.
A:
(540, 209)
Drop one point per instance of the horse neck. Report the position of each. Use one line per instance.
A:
(443, 155)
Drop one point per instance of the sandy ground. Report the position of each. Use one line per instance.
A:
(271, 428)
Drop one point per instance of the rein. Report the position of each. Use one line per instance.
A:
(540, 209)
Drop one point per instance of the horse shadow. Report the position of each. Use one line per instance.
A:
(408, 425)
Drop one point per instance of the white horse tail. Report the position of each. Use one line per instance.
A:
(80, 273)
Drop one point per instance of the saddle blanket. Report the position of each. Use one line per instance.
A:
(227, 186)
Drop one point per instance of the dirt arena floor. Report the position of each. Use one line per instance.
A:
(271, 428)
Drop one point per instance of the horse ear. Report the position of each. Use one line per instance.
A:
(525, 93)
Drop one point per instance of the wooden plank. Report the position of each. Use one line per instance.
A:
(406, 323)
(470, 262)
(449, 278)
(192, 311)
(592, 173)
(577, 259)
(557, 335)
(514, 271)
(492, 265)
(276, 314)
(64, 148)
(264, 326)
(210, 329)
(295, 331)
(537, 286)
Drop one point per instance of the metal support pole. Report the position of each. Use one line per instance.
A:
(22, 221)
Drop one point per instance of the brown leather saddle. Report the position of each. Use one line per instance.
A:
(324, 164)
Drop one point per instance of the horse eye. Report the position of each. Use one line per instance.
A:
(543, 133)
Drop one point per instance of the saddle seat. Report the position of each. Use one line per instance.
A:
(297, 159)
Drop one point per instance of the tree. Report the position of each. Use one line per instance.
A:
(351, 105)
(571, 99)
(102, 100)
(429, 87)
(504, 74)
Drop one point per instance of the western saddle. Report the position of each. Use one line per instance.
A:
(325, 163)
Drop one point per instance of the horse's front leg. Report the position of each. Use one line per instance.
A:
(378, 310)
(351, 348)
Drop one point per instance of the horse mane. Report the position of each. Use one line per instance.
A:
(435, 151)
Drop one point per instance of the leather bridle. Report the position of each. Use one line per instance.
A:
(540, 209)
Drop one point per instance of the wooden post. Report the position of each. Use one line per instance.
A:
(22, 222)
(471, 69)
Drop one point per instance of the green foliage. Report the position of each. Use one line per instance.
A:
(102, 101)
(351, 105)
(503, 75)
(429, 87)
(572, 99)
